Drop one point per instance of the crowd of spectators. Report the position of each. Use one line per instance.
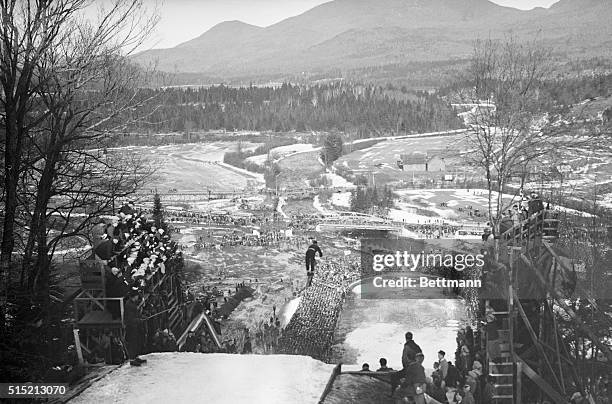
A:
(462, 382)
(135, 255)
(259, 239)
(304, 222)
(337, 274)
(263, 339)
(220, 218)
(267, 335)
(432, 230)
(311, 328)
(136, 251)
(201, 341)
(586, 234)
(296, 221)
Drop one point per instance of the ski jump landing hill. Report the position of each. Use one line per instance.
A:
(182, 377)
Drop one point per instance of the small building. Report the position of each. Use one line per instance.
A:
(417, 161)
(414, 161)
(435, 164)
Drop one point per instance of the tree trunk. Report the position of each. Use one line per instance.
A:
(43, 265)
(11, 168)
(38, 269)
(12, 163)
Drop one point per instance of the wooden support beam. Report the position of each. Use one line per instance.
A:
(560, 356)
(558, 351)
(77, 344)
(559, 300)
(579, 288)
(535, 339)
(540, 382)
(519, 383)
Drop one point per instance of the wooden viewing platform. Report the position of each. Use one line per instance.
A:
(93, 317)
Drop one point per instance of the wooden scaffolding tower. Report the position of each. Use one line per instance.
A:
(162, 307)
(529, 249)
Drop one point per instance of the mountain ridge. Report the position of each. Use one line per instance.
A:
(359, 33)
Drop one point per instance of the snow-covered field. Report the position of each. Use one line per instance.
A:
(342, 199)
(418, 135)
(408, 217)
(195, 167)
(338, 181)
(282, 152)
(422, 206)
(228, 204)
(429, 199)
(213, 378)
(387, 151)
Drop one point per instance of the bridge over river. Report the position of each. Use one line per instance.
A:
(356, 221)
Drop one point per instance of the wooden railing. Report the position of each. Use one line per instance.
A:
(544, 223)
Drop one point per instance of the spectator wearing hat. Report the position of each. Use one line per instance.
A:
(516, 215)
(443, 363)
(411, 349)
(115, 287)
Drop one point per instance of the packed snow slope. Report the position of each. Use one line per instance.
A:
(213, 378)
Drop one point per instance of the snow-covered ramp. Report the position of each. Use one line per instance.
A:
(213, 378)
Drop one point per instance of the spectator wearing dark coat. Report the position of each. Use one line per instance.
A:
(535, 204)
(311, 252)
(383, 366)
(436, 391)
(128, 209)
(133, 323)
(115, 287)
(104, 250)
(411, 349)
(416, 379)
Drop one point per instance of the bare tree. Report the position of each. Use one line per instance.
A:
(511, 127)
(71, 88)
(29, 30)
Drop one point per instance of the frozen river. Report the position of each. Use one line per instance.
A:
(369, 329)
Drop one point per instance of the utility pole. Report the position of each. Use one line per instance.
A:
(269, 144)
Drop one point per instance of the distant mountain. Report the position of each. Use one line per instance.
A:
(349, 34)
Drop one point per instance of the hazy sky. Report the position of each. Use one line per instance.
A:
(182, 20)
